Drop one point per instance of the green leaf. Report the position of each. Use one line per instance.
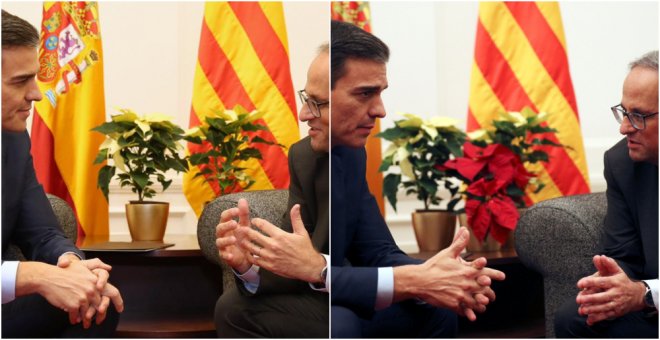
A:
(141, 180)
(105, 175)
(390, 187)
(101, 156)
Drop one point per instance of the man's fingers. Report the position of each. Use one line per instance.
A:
(459, 243)
(103, 276)
(611, 265)
(482, 299)
(297, 222)
(74, 315)
(493, 274)
(101, 313)
(228, 215)
(595, 282)
(88, 315)
(243, 213)
(96, 263)
(484, 280)
(595, 298)
(63, 262)
(224, 227)
(224, 242)
(114, 294)
(469, 313)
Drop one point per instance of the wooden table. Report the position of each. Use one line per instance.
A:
(167, 292)
(518, 311)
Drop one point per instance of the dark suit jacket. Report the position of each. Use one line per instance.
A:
(359, 235)
(27, 216)
(631, 223)
(309, 188)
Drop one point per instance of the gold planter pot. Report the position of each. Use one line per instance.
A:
(147, 220)
(489, 243)
(434, 229)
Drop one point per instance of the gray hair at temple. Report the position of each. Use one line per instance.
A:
(325, 48)
(17, 32)
(648, 60)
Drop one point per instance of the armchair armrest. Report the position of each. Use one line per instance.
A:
(558, 238)
(267, 204)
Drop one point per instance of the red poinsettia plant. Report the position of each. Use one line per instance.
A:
(494, 173)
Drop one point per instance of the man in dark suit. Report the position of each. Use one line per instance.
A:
(281, 278)
(55, 292)
(377, 290)
(621, 298)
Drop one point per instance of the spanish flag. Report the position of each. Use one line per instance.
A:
(71, 80)
(243, 59)
(359, 14)
(520, 60)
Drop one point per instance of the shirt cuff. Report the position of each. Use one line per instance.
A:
(653, 284)
(250, 278)
(385, 288)
(326, 284)
(9, 271)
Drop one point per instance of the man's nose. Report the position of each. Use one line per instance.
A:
(33, 93)
(378, 109)
(305, 113)
(626, 127)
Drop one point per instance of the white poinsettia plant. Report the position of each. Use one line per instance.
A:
(143, 149)
(417, 145)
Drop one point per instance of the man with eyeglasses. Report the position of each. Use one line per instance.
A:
(621, 298)
(281, 278)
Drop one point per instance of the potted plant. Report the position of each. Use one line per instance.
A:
(493, 170)
(226, 138)
(417, 145)
(143, 149)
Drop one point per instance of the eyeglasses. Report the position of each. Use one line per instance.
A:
(313, 105)
(638, 120)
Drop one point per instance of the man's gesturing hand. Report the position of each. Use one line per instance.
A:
(227, 240)
(290, 255)
(608, 293)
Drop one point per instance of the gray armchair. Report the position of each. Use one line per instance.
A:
(558, 238)
(267, 204)
(66, 219)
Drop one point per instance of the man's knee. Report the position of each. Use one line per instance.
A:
(568, 323)
(345, 323)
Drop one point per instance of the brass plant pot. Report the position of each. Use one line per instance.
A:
(147, 220)
(434, 229)
(489, 243)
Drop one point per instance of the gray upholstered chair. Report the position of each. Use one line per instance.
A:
(557, 238)
(66, 219)
(267, 204)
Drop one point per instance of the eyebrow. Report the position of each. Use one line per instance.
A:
(369, 88)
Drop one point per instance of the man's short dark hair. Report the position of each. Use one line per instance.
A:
(17, 32)
(351, 42)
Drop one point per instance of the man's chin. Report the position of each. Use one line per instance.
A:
(319, 145)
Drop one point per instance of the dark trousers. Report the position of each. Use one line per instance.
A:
(570, 324)
(300, 315)
(407, 319)
(33, 317)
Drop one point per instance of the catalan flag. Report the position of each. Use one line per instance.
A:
(71, 79)
(359, 14)
(520, 60)
(243, 59)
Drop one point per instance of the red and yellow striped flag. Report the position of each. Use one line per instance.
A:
(359, 14)
(71, 79)
(243, 59)
(520, 60)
